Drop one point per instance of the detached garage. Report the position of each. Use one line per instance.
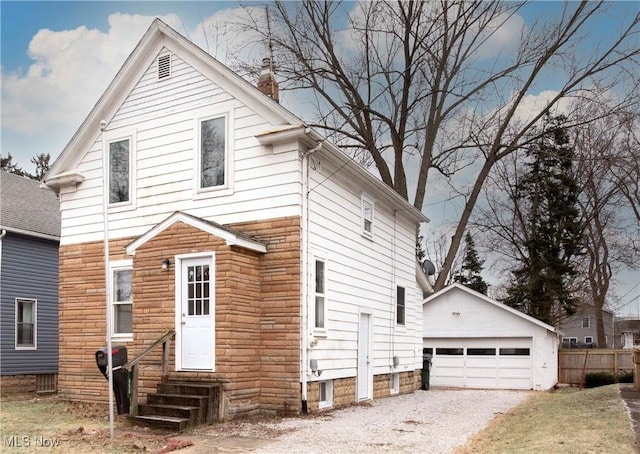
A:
(478, 342)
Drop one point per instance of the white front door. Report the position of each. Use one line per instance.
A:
(364, 362)
(197, 314)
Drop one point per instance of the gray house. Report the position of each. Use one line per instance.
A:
(579, 330)
(29, 240)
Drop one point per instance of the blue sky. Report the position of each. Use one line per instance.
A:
(58, 57)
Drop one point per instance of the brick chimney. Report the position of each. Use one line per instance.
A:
(267, 83)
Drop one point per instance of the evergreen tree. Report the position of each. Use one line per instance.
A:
(471, 268)
(540, 285)
(8, 165)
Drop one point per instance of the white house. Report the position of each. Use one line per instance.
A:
(286, 269)
(478, 342)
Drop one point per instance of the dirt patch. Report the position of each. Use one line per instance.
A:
(52, 425)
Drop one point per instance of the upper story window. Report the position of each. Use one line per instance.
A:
(586, 322)
(213, 153)
(25, 323)
(400, 305)
(121, 298)
(120, 171)
(320, 294)
(367, 217)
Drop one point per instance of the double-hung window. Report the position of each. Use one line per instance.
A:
(586, 322)
(25, 324)
(367, 217)
(121, 298)
(120, 171)
(320, 294)
(213, 157)
(400, 305)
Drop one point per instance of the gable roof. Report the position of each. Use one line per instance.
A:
(231, 237)
(159, 36)
(488, 300)
(28, 208)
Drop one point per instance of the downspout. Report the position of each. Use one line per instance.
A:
(305, 258)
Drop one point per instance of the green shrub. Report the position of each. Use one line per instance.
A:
(625, 377)
(595, 379)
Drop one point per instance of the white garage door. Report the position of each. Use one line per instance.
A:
(498, 363)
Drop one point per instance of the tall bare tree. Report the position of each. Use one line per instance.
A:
(609, 215)
(415, 87)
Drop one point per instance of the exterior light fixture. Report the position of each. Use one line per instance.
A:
(165, 264)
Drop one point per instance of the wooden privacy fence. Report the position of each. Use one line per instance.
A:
(573, 363)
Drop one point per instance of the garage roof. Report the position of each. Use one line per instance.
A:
(490, 301)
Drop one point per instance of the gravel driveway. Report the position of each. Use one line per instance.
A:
(434, 421)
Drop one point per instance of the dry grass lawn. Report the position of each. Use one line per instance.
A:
(566, 421)
(49, 425)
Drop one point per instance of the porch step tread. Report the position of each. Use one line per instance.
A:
(176, 407)
(195, 396)
(162, 418)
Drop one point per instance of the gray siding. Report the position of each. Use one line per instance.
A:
(29, 270)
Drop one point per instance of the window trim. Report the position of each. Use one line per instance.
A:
(590, 341)
(119, 265)
(319, 257)
(225, 111)
(404, 305)
(366, 200)
(328, 402)
(35, 324)
(118, 136)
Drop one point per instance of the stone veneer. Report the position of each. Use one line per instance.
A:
(257, 314)
(344, 389)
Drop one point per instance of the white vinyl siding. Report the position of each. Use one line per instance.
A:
(363, 274)
(165, 116)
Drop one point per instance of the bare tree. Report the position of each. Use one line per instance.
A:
(608, 212)
(415, 87)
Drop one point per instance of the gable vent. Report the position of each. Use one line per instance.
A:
(164, 66)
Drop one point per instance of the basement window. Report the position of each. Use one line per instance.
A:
(164, 66)
(325, 394)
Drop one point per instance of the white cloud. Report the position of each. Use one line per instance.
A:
(70, 70)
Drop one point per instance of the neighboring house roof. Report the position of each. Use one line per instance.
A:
(159, 36)
(626, 326)
(27, 207)
(490, 301)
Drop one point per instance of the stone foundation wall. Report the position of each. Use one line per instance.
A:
(344, 389)
(20, 385)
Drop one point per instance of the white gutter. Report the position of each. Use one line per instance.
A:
(305, 278)
(107, 274)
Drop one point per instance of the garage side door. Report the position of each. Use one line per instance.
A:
(494, 363)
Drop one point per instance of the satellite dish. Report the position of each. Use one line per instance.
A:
(428, 268)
